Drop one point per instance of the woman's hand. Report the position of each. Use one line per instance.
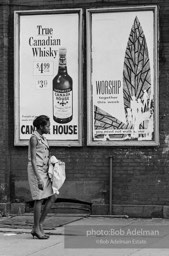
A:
(40, 184)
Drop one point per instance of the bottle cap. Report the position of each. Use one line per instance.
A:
(62, 51)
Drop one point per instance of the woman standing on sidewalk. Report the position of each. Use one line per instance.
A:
(39, 182)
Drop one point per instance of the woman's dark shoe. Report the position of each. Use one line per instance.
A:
(33, 233)
(42, 231)
(43, 234)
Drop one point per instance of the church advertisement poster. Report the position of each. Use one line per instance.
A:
(122, 76)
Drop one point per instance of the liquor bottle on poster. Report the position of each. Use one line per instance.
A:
(62, 92)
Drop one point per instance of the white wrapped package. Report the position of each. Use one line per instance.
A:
(56, 173)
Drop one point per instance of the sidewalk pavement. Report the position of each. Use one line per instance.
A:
(85, 235)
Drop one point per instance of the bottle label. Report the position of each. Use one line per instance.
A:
(62, 103)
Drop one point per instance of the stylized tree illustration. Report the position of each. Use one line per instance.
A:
(104, 120)
(137, 93)
(136, 72)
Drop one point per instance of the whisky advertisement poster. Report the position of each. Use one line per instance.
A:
(123, 77)
(49, 75)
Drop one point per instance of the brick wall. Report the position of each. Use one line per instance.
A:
(140, 174)
(4, 153)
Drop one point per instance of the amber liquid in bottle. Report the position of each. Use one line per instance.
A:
(62, 92)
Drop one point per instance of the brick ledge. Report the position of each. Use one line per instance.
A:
(137, 211)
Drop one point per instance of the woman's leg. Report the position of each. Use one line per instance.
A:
(46, 209)
(37, 215)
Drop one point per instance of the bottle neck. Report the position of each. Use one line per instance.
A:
(62, 64)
